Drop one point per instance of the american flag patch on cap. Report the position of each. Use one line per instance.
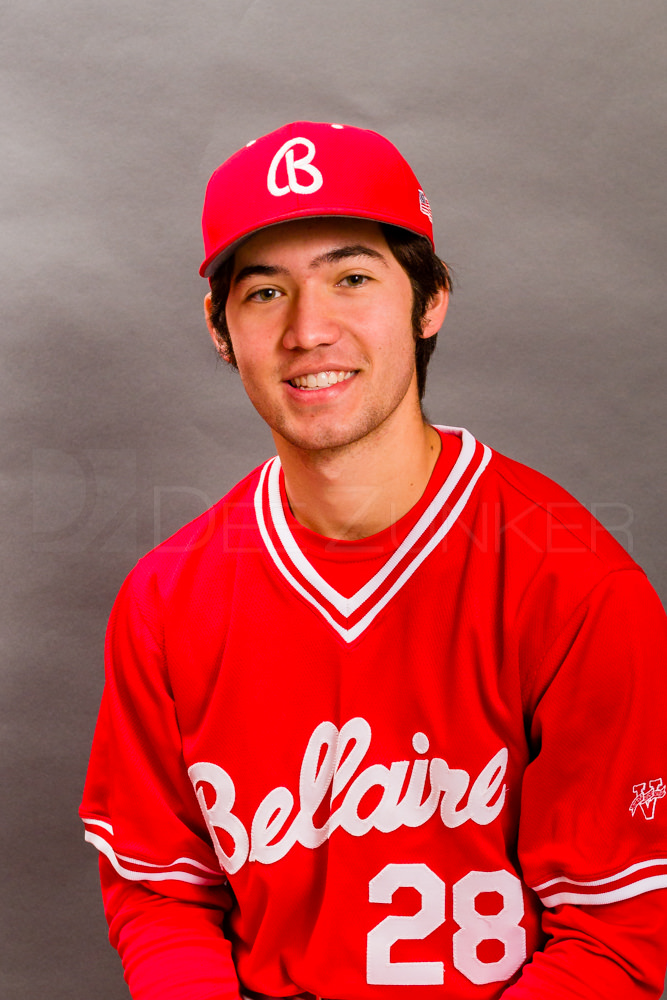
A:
(424, 205)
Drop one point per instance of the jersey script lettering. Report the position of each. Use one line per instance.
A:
(330, 769)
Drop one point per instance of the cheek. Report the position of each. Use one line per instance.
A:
(386, 325)
(250, 376)
(257, 370)
(246, 351)
(399, 342)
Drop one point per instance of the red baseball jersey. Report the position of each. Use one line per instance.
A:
(397, 751)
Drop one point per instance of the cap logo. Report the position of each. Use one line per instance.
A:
(304, 165)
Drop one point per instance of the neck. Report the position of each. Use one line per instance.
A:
(364, 487)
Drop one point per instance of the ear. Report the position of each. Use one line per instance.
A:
(217, 343)
(435, 314)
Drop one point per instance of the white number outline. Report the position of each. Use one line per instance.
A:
(474, 927)
(380, 970)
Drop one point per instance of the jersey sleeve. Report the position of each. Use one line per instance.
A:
(139, 807)
(171, 949)
(598, 952)
(593, 826)
(162, 884)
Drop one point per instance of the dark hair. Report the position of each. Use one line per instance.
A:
(427, 273)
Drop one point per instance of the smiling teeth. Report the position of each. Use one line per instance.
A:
(320, 380)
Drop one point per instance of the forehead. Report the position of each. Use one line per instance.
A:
(308, 236)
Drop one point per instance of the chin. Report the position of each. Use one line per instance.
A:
(329, 438)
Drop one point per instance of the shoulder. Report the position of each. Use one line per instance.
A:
(201, 547)
(553, 563)
(537, 514)
(575, 604)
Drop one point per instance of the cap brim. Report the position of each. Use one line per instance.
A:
(218, 257)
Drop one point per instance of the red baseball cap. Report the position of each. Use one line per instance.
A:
(305, 170)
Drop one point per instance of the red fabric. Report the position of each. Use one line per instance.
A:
(173, 950)
(612, 952)
(295, 173)
(486, 725)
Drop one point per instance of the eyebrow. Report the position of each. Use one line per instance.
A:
(267, 270)
(332, 256)
(349, 250)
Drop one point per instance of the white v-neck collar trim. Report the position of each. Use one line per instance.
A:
(346, 606)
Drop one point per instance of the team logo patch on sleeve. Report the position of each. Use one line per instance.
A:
(646, 798)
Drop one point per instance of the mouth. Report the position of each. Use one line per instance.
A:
(320, 380)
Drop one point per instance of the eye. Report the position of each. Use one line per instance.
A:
(264, 295)
(354, 280)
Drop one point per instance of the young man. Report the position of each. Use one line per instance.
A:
(387, 722)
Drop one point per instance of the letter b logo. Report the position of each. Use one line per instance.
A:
(303, 164)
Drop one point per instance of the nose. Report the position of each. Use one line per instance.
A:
(311, 321)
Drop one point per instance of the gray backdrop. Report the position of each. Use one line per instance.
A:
(536, 128)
